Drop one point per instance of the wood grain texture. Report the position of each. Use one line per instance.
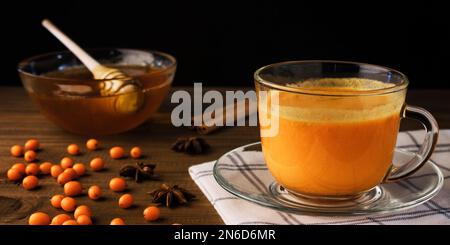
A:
(20, 120)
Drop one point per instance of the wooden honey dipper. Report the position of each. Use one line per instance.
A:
(116, 83)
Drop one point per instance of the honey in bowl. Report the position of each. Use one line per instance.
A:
(69, 96)
(333, 145)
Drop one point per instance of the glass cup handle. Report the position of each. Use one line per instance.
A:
(425, 150)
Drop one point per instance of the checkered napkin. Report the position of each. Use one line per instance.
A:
(234, 210)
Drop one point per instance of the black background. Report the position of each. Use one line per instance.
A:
(223, 42)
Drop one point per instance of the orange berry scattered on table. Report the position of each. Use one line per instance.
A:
(151, 213)
(116, 152)
(30, 182)
(39, 218)
(72, 173)
(16, 150)
(68, 204)
(70, 222)
(117, 184)
(29, 156)
(97, 164)
(84, 220)
(32, 169)
(92, 144)
(73, 149)
(94, 192)
(80, 169)
(56, 170)
(136, 152)
(126, 201)
(19, 166)
(117, 221)
(72, 188)
(56, 200)
(66, 162)
(32, 144)
(45, 168)
(14, 174)
(63, 178)
(80, 210)
(60, 219)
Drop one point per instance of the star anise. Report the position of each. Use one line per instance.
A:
(139, 171)
(191, 145)
(171, 196)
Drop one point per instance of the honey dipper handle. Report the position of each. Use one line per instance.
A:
(85, 58)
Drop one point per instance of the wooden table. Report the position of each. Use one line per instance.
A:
(20, 120)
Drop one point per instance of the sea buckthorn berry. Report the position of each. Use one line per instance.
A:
(97, 164)
(45, 168)
(135, 152)
(19, 166)
(72, 173)
(116, 152)
(126, 201)
(84, 220)
(80, 210)
(60, 219)
(68, 204)
(70, 222)
(73, 149)
(32, 169)
(13, 174)
(151, 213)
(32, 144)
(16, 151)
(117, 221)
(117, 184)
(56, 170)
(92, 144)
(94, 192)
(63, 178)
(66, 162)
(56, 200)
(80, 169)
(39, 218)
(29, 156)
(72, 188)
(30, 182)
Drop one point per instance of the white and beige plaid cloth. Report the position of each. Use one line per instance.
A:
(235, 211)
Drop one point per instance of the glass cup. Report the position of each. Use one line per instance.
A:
(336, 125)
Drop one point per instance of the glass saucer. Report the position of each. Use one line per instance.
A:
(243, 172)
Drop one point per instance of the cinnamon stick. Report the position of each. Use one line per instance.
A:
(230, 110)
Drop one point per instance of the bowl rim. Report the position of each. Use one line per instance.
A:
(26, 61)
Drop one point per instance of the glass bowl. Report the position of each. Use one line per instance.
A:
(68, 95)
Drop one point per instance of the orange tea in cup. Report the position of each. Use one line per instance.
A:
(336, 135)
(333, 146)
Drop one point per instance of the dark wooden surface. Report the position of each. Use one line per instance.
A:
(20, 120)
